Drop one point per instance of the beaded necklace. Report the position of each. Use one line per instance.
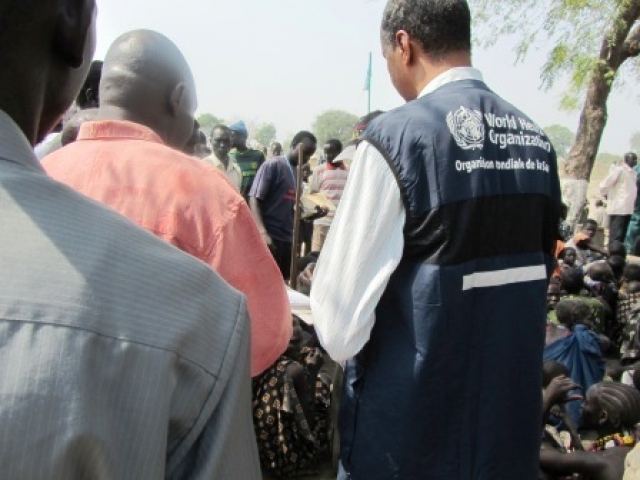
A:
(612, 441)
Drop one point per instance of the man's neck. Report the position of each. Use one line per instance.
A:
(116, 113)
(242, 148)
(430, 69)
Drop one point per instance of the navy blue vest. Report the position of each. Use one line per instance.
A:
(448, 387)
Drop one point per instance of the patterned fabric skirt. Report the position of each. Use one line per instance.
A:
(288, 442)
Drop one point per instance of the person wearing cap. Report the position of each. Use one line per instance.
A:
(329, 178)
(248, 159)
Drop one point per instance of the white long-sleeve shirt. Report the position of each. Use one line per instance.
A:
(363, 248)
(621, 190)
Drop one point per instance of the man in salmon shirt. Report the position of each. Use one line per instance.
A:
(126, 160)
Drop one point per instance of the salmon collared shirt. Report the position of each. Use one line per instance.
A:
(188, 203)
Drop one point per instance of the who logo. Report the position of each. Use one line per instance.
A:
(467, 128)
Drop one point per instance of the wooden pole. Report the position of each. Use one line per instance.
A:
(293, 280)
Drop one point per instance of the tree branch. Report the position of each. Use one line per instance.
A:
(632, 43)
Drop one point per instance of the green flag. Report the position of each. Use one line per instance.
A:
(367, 82)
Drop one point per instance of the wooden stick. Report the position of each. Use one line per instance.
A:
(293, 280)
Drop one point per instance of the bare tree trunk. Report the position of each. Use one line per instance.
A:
(619, 45)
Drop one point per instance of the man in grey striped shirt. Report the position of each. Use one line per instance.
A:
(122, 357)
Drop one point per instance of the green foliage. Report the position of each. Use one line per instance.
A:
(266, 134)
(561, 138)
(207, 121)
(607, 159)
(635, 142)
(573, 30)
(334, 124)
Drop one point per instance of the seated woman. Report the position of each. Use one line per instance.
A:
(613, 410)
(580, 351)
(291, 410)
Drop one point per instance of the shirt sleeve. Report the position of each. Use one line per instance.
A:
(262, 182)
(609, 181)
(242, 258)
(361, 253)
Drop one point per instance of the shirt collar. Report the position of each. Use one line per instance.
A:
(14, 146)
(218, 163)
(331, 166)
(117, 129)
(452, 75)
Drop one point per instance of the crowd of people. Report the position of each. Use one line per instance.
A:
(146, 325)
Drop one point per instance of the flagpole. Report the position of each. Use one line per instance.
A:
(369, 83)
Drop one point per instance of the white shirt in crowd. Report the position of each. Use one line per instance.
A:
(621, 190)
(232, 170)
(364, 246)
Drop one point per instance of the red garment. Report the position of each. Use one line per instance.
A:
(191, 205)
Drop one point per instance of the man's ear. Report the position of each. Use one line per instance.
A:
(178, 96)
(403, 42)
(74, 23)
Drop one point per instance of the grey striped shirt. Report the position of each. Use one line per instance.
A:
(120, 356)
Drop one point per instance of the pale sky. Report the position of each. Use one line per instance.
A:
(287, 61)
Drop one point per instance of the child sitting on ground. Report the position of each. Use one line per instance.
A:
(586, 249)
(568, 257)
(580, 351)
(556, 388)
(602, 284)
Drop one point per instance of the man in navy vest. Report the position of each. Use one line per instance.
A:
(431, 286)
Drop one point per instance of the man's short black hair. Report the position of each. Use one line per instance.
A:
(335, 144)
(220, 127)
(590, 221)
(630, 157)
(300, 136)
(440, 26)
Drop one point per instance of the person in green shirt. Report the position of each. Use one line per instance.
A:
(248, 160)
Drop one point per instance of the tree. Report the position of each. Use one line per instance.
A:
(591, 41)
(266, 134)
(207, 121)
(635, 142)
(334, 124)
(561, 138)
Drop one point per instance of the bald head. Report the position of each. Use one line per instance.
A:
(146, 79)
